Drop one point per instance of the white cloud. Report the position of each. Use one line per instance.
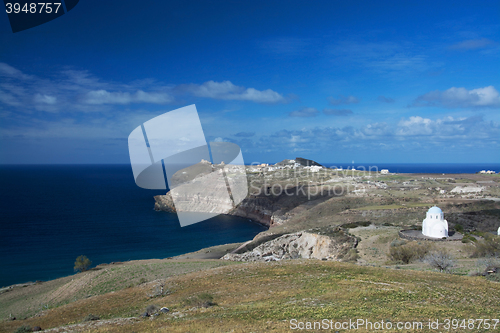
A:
(105, 97)
(9, 71)
(473, 44)
(8, 99)
(381, 57)
(416, 126)
(79, 91)
(385, 99)
(337, 112)
(304, 112)
(343, 100)
(45, 99)
(291, 46)
(228, 91)
(460, 97)
(412, 131)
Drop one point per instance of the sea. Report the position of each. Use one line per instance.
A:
(51, 214)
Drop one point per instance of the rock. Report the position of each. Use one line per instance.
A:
(36, 329)
(145, 314)
(306, 162)
(164, 310)
(298, 245)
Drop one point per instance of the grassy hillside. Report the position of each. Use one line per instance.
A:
(28, 300)
(262, 297)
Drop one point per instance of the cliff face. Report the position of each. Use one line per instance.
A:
(298, 245)
(264, 208)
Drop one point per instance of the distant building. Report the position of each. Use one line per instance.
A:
(384, 171)
(313, 168)
(498, 232)
(434, 224)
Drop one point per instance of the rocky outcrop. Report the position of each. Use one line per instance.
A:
(164, 203)
(264, 208)
(306, 162)
(299, 245)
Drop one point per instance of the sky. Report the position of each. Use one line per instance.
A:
(333, 81)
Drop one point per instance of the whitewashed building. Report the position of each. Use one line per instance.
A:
(434, 224)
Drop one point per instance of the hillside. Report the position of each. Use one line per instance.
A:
(263, 297)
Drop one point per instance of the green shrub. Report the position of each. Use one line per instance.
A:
(398, 242)
(487, 247)
(82, 263)
(468, 239)
(458, 228)
(409, 252)
(23, 329)
(357, 224)
(204, 300)
(352, 255)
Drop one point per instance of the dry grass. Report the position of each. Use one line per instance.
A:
(29, 300)
(263, 297)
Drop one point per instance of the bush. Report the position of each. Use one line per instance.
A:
(398, 242)
(352, 255)
(82, 263)
(458, 228)
(468, 239)
(357, 224)
(408, 252)
(152, 309)
(441, 260)
(489, 268)
(91, 317)
(203, 300)
(488, 247)
(23, 329)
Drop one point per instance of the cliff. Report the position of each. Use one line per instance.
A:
(263, 207)
(333, 245)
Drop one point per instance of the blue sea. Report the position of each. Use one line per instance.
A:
(50, 214)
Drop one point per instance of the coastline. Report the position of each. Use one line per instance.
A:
(219, 250)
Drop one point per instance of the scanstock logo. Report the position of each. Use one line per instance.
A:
(204, 179)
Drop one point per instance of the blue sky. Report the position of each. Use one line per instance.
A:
(334, 81)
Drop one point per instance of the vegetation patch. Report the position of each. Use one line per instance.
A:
(408, 252)
(357, 224)
(203, 300)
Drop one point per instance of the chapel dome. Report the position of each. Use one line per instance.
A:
(435, 210)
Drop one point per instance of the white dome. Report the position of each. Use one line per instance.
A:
(435, 210)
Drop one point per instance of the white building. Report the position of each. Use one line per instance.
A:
(498, 232)
(384, 171)
(434, 224)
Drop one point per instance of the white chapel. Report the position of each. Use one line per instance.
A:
(434, 224)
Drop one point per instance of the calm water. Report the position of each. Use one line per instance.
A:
(49, 215)
(422, 167)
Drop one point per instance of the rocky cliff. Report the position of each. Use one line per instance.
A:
(303, 244)
(264, 208)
